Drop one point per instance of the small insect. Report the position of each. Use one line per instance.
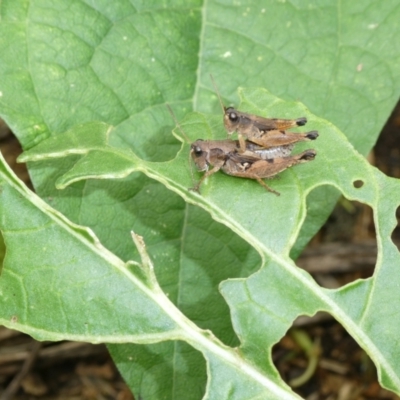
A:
(255, 162)
(266, 132)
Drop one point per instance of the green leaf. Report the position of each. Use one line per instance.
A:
(39, 292)
(109, 286)
(69, 63)
(270, 224)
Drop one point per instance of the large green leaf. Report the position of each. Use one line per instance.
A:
(264, 305)
(74, 288)
(68, 63)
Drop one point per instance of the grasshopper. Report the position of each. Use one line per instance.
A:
(266, 132)
(255, 162)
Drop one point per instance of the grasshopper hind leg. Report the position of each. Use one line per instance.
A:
(259, 169)
(264, 185)
(288, 162)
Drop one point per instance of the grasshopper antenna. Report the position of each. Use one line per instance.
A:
(220, 99)
(177, 123)
(219, 96)
(185, 136)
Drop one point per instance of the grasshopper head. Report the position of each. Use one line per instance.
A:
(199, 153)
(231, 119)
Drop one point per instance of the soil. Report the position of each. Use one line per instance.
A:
(317, 356)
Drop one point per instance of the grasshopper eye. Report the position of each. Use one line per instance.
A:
(233, 117)
(197, 151)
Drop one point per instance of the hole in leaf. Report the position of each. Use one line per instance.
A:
(2, 251)
(11, 149)
(358, 183)
(344, 249)
(320, 360)
(396, 230)
(386, 153)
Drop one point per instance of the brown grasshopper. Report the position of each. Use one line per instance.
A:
(256, 162)
(266, 132)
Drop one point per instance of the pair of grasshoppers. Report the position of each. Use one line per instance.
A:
(263, 148)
